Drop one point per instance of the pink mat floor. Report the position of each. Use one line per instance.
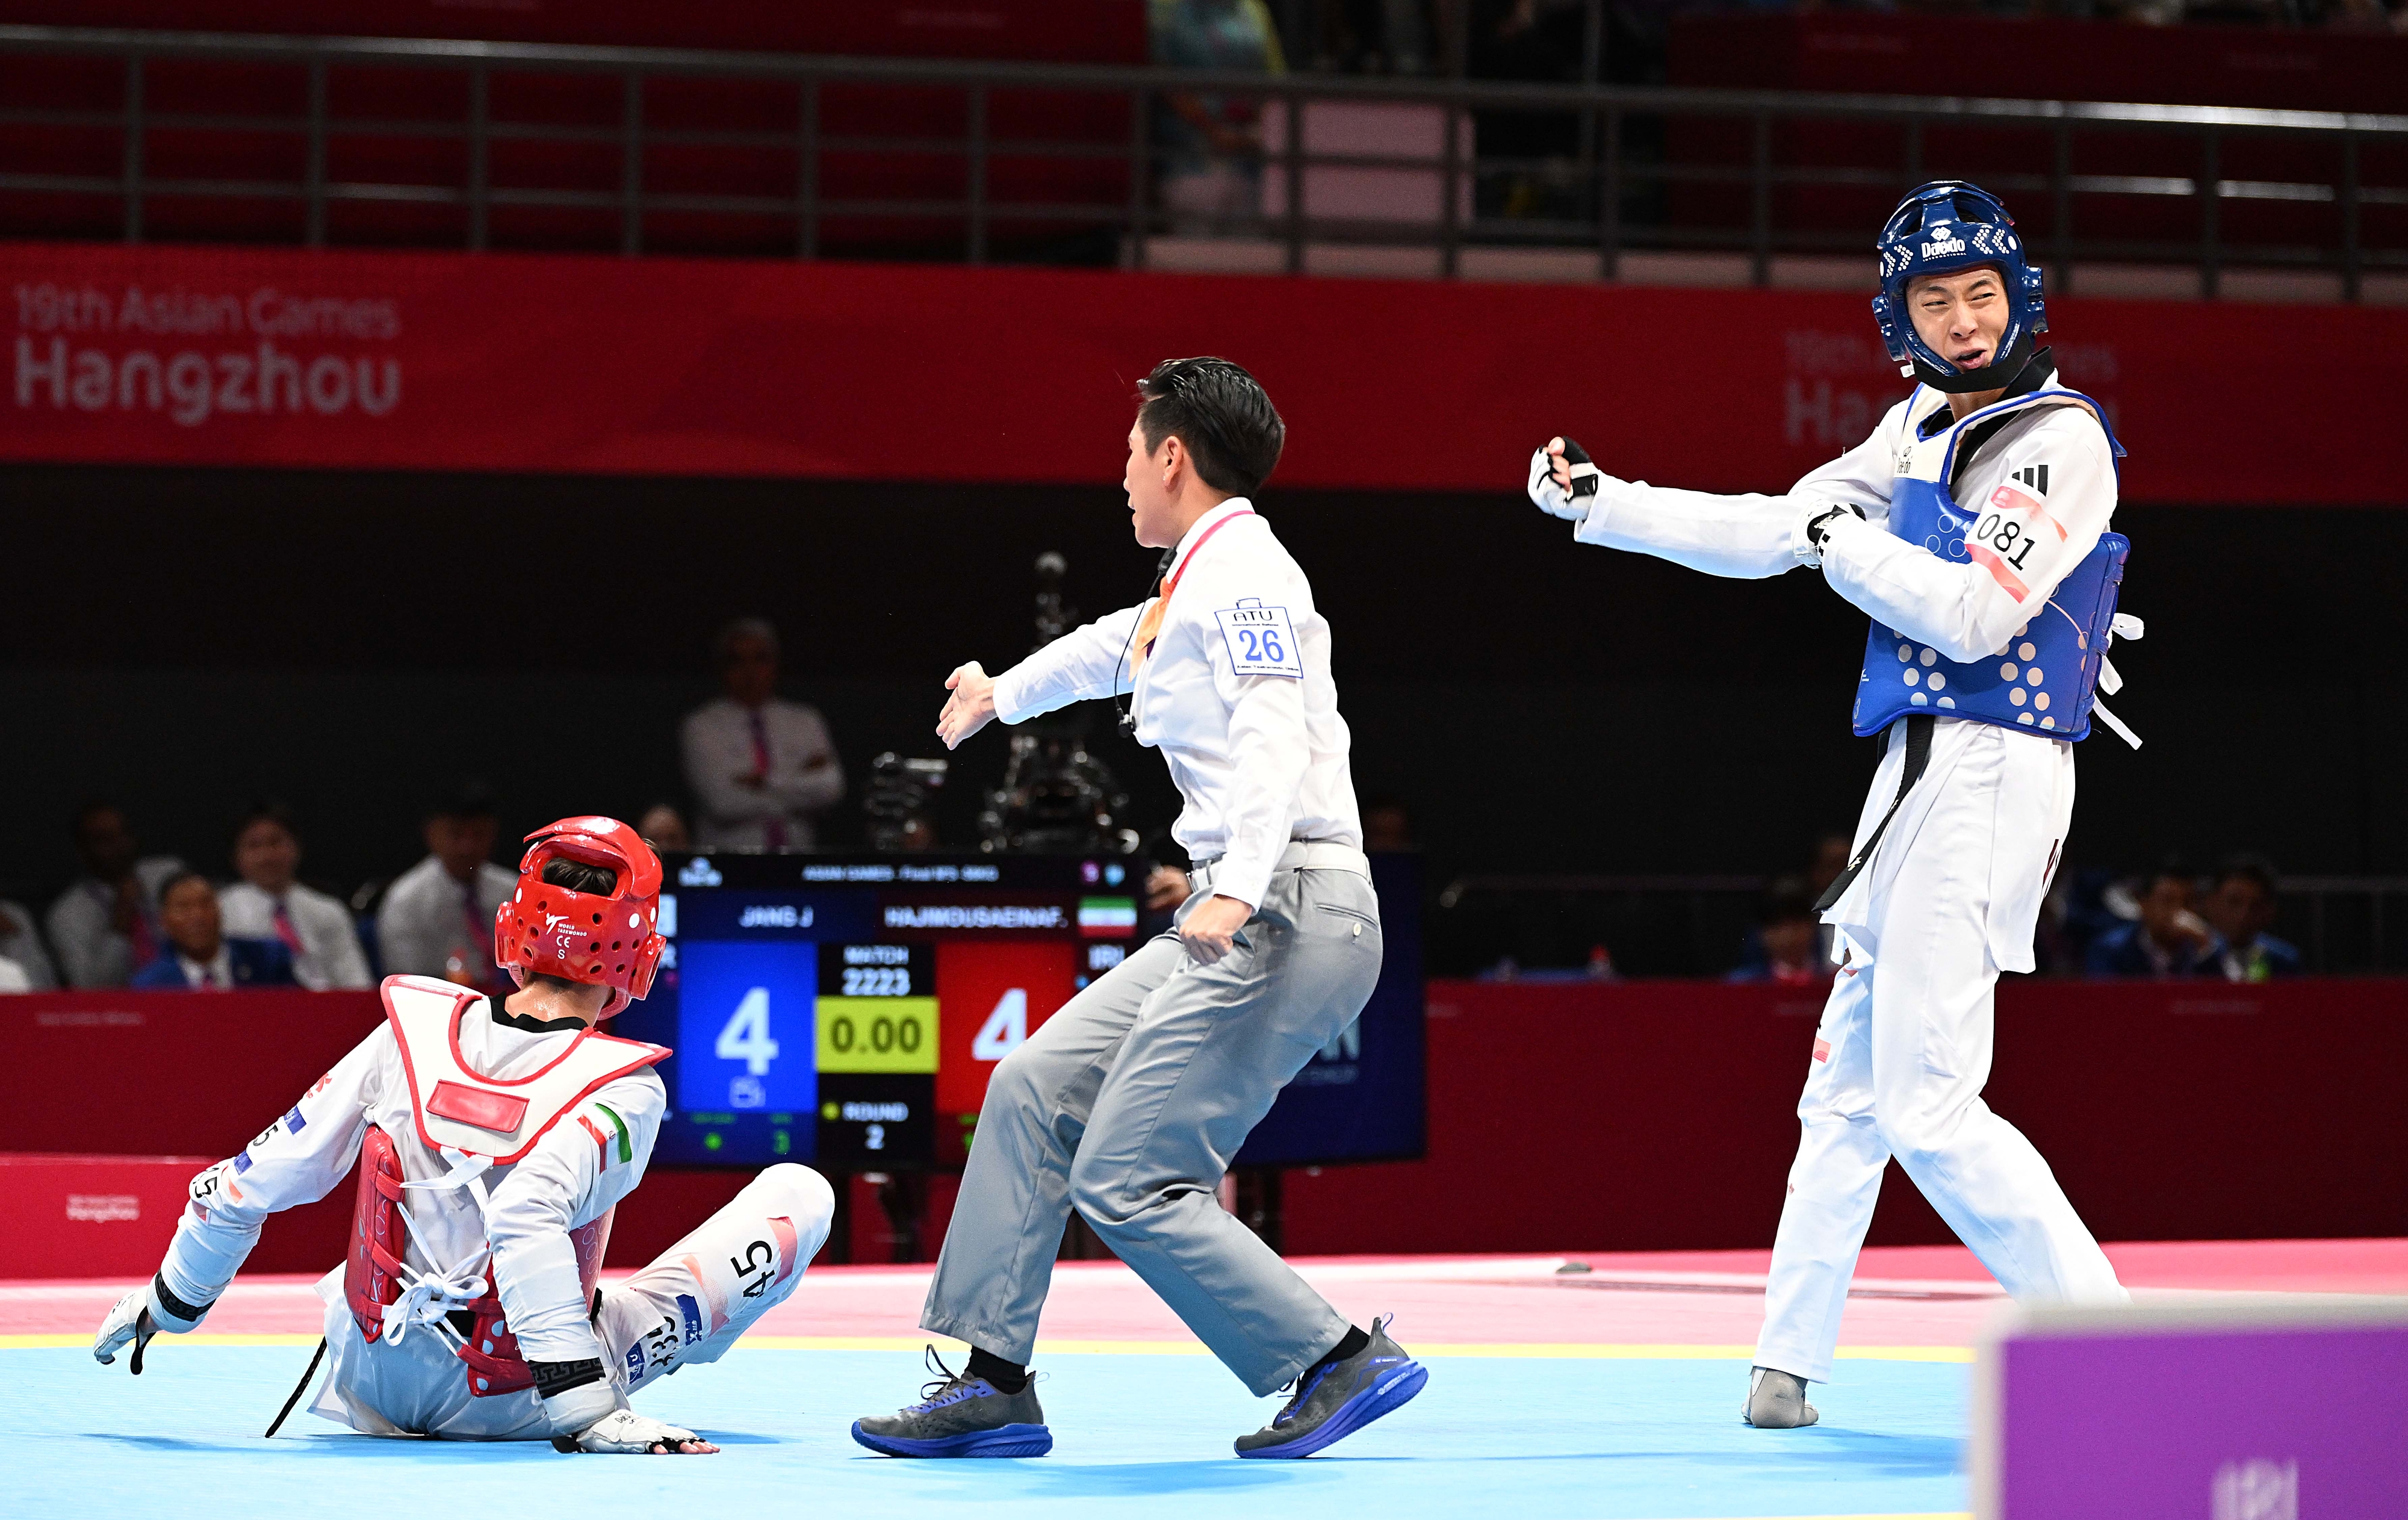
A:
(1921, 1295)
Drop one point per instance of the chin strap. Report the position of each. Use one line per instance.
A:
(1964, 381)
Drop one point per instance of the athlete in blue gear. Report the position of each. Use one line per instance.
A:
(1973, 528)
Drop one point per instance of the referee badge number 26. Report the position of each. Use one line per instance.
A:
(1260, 640)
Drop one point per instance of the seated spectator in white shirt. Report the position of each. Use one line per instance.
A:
(105, 926)
(437, 917)
(664, 828)
(762, 769)
(268, 904)
(21, 947)
(200, 957)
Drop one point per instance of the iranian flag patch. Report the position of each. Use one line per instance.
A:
(603, 1142)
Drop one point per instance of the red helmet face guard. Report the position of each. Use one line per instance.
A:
(603, 941)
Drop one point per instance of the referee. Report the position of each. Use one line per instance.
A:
(1131, 1101)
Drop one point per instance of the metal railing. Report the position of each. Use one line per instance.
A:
(1643, 168)
(1648, 925)
(2346, 923)
(1695, 926)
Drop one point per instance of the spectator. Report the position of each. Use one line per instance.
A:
(199, 956)
(438, 916)
(1388, 824)
(1210, 145)
(763, 770)
(105, 926)
(21, 947)
(1375, 37)
(268, 904)
(2241, 910)
(2167, 939)
(1788, 949)
(664, 828)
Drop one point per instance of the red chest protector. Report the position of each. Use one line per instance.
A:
(469, 1119)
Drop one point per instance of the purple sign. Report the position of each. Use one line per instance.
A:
(2196, 1413)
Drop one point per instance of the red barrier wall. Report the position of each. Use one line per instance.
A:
(174, 355)
(147, 1088)
(1646, 1115)
(92, 1215)
(1654, 1115)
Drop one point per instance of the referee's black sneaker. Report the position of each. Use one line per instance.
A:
(1332, 1402)
(960, 1416)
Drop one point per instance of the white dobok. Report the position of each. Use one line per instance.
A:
(1952, 893)
(509, 1139)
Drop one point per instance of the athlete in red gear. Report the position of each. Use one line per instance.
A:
(494, 1136)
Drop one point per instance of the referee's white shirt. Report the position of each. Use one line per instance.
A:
(1250, 727)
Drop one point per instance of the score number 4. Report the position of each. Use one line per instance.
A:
(1005, 1029)
(746, 1036)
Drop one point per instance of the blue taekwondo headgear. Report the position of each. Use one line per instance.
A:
(1938, 229)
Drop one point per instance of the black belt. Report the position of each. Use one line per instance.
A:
(1918, 758)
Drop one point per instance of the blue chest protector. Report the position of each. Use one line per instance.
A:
(2046, 679)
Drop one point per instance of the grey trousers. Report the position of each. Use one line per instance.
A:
(1128, 1105)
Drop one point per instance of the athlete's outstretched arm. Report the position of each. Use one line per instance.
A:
(298, 1159)
(1746, 536)
(2022, 545)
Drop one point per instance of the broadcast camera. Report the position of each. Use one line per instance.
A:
(1056, 797)
(902, 802)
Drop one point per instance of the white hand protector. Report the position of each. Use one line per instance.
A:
(129, 1320)
(1813, 521)
(1569, 504)
(624, 1432)
(139, 1315)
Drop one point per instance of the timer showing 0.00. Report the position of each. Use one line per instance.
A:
(877, 1008)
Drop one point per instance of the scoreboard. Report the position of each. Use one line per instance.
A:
(848, 1011)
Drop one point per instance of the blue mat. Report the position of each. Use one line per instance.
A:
(1532, 1439)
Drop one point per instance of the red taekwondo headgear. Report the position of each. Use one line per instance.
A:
(605, 941)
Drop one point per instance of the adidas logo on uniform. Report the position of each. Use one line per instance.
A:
(2035, 476)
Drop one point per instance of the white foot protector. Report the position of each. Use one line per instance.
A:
(1776, 1400)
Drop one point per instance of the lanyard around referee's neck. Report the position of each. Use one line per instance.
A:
(1150, 625)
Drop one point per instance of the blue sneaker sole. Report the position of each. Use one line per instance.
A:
(1391, 1393)
(1004, 1440)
